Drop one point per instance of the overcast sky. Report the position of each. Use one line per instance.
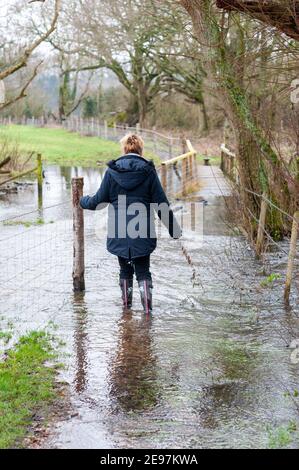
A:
(4, 4)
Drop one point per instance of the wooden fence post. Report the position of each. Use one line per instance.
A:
(192, 161)
(231, 167)
(78, 231)
(226, 164)
(106, 130)
(195, 167)
(170, 180)
(222, 168)
(184, 176)
(291, 259)
(191, 167)
(164, 176)
(261, 227)
(39, 172)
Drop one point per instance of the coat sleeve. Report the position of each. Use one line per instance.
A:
(101, 196)
(158, 196)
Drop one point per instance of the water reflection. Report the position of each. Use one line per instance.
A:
(80, 341)
(66, 175)
(213, 368)
(25, 197)
(133, 370)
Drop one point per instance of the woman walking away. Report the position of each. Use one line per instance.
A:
(131, 185)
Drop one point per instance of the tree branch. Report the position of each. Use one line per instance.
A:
(22, 93)
(283, 14)
(22, 61)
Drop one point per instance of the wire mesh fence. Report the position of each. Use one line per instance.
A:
(156, 143)
(265, 243)
(36, 267)
(37, 253)
(37, 246)
(33, 260)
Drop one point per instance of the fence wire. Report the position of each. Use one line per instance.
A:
(281, 247)
(36, 269)
(36, 259)
(156, 143)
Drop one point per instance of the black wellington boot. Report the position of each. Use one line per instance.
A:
(146, 288)
(126, 286)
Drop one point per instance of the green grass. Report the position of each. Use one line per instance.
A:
(269, 281)
(282, 436)
(234, 358)
(25, 223)
(61, 147)
(27, 386)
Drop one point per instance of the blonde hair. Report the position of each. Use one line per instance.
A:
(132, 143)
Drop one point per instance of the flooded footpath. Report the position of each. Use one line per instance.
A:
(210, 368)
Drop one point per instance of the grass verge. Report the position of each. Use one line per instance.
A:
(27, 386)
(26, 223)
(61, 147)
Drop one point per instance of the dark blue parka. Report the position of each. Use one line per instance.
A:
(135, 178)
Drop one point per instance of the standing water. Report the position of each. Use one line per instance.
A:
(210, 368)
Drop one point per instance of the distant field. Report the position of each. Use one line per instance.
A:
(60, 146)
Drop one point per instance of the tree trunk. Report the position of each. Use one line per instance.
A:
(205, 119)
(260, 168)
(248, 162)
(132, 111)
(142, 106)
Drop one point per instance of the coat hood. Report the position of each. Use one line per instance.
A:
(130, 170)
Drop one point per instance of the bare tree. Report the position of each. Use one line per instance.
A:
(117, 36)
(149, 53)
(177, 54)
(72, 87)
(12, 62)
